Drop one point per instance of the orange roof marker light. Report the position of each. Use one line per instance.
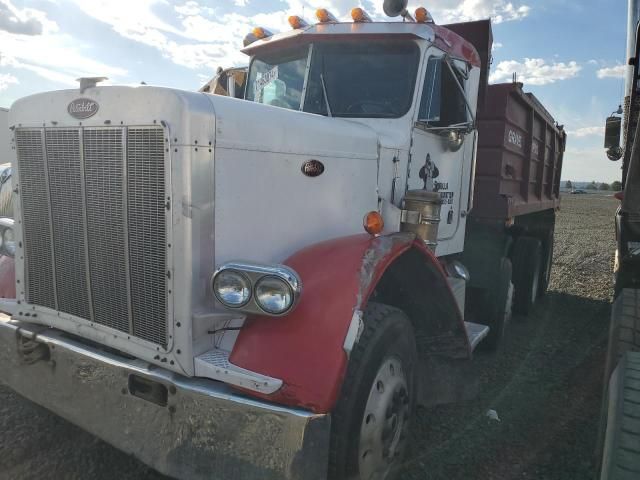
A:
(325, 16)
(256, 34)
(423, 16)
(297, 22)
(360, 16)
(261, 33)
(373, 223)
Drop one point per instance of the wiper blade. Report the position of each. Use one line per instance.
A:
(325, 94)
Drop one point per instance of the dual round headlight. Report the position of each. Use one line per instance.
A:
(232, 288)
(273, 295)
(257, 289)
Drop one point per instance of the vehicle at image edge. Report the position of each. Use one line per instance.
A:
(619, 442)
(7, 277)
(196, 264)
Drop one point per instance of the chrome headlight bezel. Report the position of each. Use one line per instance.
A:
(255, 273)
(6, 224)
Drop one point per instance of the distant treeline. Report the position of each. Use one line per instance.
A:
(614, 187)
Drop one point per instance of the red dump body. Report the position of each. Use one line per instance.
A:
(520, 151)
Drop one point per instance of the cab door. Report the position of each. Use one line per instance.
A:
(439, 162)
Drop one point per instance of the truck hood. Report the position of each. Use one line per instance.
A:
(256, 127)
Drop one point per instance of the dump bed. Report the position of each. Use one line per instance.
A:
(520, 151)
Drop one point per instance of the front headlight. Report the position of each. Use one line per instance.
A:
(257, 289)
(232, 288)
(9, 242)
(273, 295)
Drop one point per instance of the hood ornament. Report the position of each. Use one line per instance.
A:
(90, 82)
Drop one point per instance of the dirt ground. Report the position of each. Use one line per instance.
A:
(545, 386)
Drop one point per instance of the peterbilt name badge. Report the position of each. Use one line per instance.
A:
(82, 108)
(313, 168)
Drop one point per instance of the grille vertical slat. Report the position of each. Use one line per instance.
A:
(96, 195)
(35, 213)
(104, 166)
(67, 218)
(147, 235)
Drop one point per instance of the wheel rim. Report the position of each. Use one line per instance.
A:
(386, 415)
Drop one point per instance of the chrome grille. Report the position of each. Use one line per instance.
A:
(93, 214)
(36, 218)
(65, 192)
(104, 180)
(147, 238)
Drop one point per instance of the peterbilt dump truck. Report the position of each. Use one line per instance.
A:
(195, 283)
(619, 442)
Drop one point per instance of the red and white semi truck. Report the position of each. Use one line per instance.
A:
(193, 280)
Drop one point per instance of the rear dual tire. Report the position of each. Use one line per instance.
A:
(527, 273)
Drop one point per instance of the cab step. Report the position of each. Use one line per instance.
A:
(215, 364)
(476, 333)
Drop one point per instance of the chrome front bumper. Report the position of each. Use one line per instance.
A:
(185, 428)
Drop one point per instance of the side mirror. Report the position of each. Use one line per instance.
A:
(612, 133)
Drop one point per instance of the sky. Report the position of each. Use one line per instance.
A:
(569, 53)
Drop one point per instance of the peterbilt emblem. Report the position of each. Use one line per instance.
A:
(82, 108)
(313, 168)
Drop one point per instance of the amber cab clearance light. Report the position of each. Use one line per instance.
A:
(359, 15)
(261, 33)
(325, 16)
(423, 15)
(297, 22)
(373, 223)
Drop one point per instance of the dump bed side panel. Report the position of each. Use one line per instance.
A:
(520, 151)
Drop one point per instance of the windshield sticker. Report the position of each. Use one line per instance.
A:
(265, 80)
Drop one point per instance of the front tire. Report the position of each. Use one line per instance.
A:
(371, 420)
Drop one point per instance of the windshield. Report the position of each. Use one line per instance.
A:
(373, 79)
(278, 79)
(365, 79)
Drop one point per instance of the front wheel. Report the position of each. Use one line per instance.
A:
(371, 421)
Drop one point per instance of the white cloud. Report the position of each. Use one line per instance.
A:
(451, 11)
(53, 57)
(535, 71)
(497, 45)
(586, 132)
(7, 79)
(612, 72)
(25, 21)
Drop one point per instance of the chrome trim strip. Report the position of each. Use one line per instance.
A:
(85, 227)
(125, 223)
(45, 161)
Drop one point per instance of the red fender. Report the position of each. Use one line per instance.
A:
(7, 277)
(305, 348)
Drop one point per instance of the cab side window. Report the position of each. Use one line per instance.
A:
(443, 103)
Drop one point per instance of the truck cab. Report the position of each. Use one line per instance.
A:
(415, 86)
